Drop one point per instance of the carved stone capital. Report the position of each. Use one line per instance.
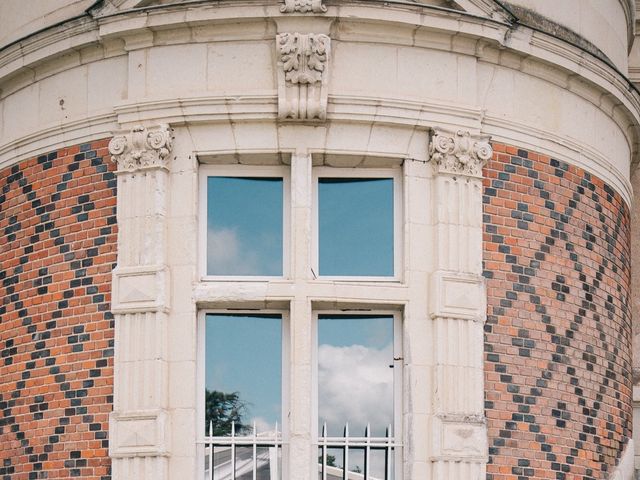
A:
(303, 61)
(303, 6)
(459, 153)
(142, 148)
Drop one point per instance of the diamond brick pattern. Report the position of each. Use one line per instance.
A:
(558, 331)
(57, 247)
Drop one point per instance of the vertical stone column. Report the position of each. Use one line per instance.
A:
(458, 299)
(139, 424)
(417, 329)
(301, 455)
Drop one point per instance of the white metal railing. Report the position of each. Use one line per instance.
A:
(243, 457)
(257, 456)
(347, 444)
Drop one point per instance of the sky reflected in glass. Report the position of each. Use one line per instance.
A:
(355, 217)
(244, 226)
(355, 381)
(244, 355)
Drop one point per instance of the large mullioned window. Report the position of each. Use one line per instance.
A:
(246, 358)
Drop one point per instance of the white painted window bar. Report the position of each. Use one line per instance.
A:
(243, 457)
(257, 456)
(363, 447)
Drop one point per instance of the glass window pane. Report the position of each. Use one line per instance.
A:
(379, 463)
(355, 217)
(243, 373)
(355, 374)
(268, 463)
(244, 226)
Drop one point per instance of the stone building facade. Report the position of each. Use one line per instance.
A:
(509, 131)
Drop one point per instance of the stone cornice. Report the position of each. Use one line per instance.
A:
(142, 148)
(121, 25)
(43, 45)
(400, 112)
(486, 39)
(630, 8)
(118, 26)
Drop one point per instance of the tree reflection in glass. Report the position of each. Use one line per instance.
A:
(243, 372)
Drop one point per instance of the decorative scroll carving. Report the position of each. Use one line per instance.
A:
(303, 6)
(142, 148)
(302, 89)
(459, 152)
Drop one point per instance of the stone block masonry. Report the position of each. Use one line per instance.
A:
(558, 330)
(57, 248)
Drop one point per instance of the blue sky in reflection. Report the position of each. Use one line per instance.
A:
(243, 354)
(355, 383)
(355, 217)
(244, 226)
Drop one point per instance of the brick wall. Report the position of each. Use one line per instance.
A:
(57, 250)
(558, 331)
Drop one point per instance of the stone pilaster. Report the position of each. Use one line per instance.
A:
(457, 306)
(139, 424)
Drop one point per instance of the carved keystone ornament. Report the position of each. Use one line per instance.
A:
(303, 6)
(303, 62)
(459, 153)
(142, 148)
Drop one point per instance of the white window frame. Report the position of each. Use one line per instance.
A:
(398, 219)
(201, 380)
(398, 379)
(240, 171)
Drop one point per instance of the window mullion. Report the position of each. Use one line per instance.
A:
(301, 213)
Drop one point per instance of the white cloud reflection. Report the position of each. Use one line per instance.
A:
(225, 255)
(355, 385)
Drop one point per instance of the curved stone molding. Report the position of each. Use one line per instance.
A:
(459, 153)
(142, 148)
(303, 6)
(303, 61)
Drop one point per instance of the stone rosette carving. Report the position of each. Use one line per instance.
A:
(303, 61)
(303, 6)
(142, 148)
(459, 152)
